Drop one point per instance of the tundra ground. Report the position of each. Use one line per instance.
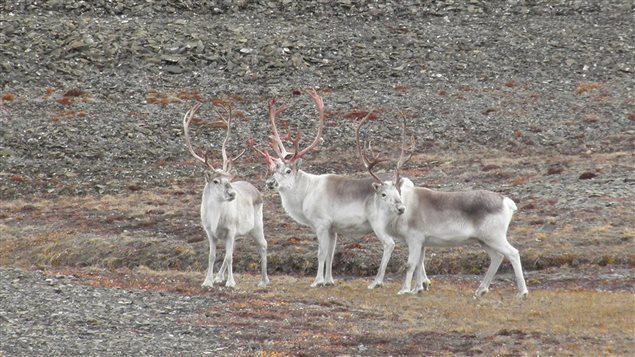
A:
(101, 249)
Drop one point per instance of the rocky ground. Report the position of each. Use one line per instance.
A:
(530, 99)
(99, 312)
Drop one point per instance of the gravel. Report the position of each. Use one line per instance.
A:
(54, 316)
(531, 78)
(93, 93)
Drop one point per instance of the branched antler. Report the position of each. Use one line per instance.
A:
(265, 154)
(368, 163)
(402, 155)
(375, 159)
(227, 162)
(277, 142)
(187, 119)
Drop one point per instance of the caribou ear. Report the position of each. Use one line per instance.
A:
(405, 182)
(208, 176)
(376, 186)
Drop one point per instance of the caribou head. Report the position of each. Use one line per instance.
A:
(387, 193)
(218, 178)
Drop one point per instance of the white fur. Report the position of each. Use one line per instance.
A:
(225, 218)
(306, 199)
(452, 229)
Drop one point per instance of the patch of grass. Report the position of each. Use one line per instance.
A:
(359, 115)
(161, 99)
(600, 229)
(451, 308)
(585, 87)
(168, 218)
(541, 236)
(520, 180)
(349, 314)
(8, 97)
(67, 114)
(67, 247)
(606, 260)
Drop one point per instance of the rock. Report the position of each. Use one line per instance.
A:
(555, 169)
(587, 175)
(172, 69)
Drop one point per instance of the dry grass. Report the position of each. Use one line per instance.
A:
(132, 229)
(579, 322)
(7, 97)
(164, 99)
(585, 87)
(451, 308)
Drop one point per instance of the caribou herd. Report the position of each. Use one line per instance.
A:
(391, 207)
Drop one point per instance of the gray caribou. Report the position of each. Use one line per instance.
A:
(328, 204)
(447, 219)
(228, 208)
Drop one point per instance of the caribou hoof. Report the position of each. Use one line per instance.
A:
(522, 296)
(375, 284)
(317, 283)
(208, 283)
(404, 291)
(480, 292)
(230, 284)
(263, 283)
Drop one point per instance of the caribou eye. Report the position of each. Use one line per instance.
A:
(215, 181)
(383, 195)
(288, 171)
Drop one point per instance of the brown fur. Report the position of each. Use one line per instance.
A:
(348, 189)
(476, 205)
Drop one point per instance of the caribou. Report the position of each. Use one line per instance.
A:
(228, 208)
(446, 219)
(329, 204)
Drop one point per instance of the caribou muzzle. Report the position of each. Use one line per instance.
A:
(272, 184)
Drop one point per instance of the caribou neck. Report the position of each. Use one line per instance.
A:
(293, 199)
(211, 209)
(303, 185)
(392, 222)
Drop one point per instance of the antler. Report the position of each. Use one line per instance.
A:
(265, 154)
(227, 163)
(318, 137)
(369, 164)
(402, 159)
(187, 119)
(277, 143)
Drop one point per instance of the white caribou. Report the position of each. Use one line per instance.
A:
(328, 204)
(446, 219)
(228, 208)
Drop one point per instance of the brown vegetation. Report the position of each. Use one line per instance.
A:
(294, 319)
(133, 228)
(7, 97)
(586, 87)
